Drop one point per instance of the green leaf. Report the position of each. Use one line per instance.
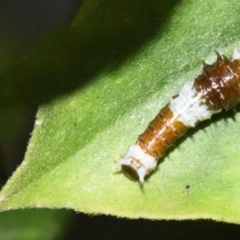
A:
(33, 224)
(111, 71)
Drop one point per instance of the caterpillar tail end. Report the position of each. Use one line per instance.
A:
(136, 164)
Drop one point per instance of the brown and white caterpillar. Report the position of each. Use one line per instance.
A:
(217, 88)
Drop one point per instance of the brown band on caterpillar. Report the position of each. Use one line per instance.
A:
(161, 133)
(219, 83)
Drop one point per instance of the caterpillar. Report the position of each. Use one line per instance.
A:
(216, 88)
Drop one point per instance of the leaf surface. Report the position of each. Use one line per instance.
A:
(123, 62)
